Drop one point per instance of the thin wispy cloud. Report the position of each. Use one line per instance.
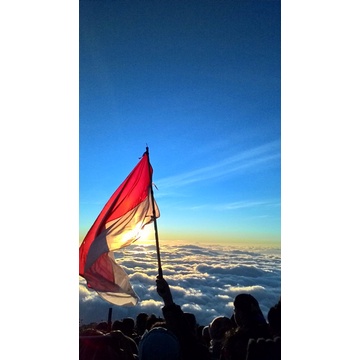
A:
(247, 159)
(260, 206)
(243, 204)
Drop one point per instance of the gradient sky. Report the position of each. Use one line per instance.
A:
(199, 83)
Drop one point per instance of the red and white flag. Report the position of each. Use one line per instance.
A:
(118, 225)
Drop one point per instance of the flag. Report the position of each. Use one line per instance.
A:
(119, 224)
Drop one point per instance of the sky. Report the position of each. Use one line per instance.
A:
(199, 83)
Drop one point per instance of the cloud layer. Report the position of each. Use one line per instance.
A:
(204, 280)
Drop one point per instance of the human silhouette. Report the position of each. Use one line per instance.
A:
(191, 348)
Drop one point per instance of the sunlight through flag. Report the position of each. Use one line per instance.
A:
(119, 224)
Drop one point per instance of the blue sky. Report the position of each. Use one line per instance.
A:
(199, 83)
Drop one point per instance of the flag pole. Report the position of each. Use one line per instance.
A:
(109, 319)
(154, 219)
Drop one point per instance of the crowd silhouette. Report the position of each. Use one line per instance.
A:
(246, 335)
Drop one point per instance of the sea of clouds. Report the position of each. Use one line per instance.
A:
(204, 280)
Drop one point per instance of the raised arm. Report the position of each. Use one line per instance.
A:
(163, 290)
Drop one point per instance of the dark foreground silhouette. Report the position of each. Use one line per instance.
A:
(247, 335)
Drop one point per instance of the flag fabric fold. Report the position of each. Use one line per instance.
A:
(119, 224)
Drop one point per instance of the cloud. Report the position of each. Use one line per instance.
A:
(237, 163)
(246, 271)
(245, 204)
(204, 280)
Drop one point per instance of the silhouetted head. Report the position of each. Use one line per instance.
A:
(205, 334)
(247, 311)
(151, 320)
(219, 326)
(102, 326)
(140, 322)
(128, 326)
(159, 344)
(191, 320)
(116, 325)
(274, 319)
